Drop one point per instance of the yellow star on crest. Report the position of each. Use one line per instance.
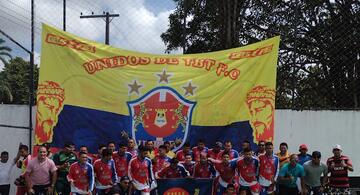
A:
(189, 89)
(134, 87)
(164, 76)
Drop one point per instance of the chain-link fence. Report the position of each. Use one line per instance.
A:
(320, 43)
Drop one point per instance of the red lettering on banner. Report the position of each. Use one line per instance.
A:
(73, 44)
(200, 63)
(251, 53)
(232, 74)
(117, 61)
(169, 61)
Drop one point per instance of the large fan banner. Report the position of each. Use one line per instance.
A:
(90, 93)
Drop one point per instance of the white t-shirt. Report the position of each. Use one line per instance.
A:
(5, 171)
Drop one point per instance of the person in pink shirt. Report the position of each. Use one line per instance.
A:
(41, 174)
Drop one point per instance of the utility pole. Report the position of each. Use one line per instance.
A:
(31, 72)
(107, 17)
(64, 15)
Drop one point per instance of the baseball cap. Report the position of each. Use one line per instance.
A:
(218, 144)
(316, 154)
(303, 146)
(337, 146)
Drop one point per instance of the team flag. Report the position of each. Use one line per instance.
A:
(90, 93)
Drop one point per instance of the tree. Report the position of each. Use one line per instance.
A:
(5, 92)
(319, 50)
(4, 51)
(16, 76)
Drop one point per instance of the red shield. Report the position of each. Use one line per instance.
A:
(161, 114)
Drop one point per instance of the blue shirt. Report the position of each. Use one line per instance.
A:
(303, 158)
(296, 172)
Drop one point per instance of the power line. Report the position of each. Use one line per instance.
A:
(107, 17)
(20, 25)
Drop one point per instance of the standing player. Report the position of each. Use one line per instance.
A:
(214, 152)
(141, 173)
(105, 174)
(268, 170)
(81, 176)
(204, 169)
(228, 148)
(121, 159)
(225, 171)
(161, 160)
(200, 148)
(180, 155)
(189, 164)
(175, 170)
(247, 168)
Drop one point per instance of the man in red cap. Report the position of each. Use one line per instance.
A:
(303, 155)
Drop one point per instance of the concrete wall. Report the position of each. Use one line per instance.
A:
(320, 130)
(15, 115)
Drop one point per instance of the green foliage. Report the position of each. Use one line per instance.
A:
(320, 44)
(4, 52)
(15, 79)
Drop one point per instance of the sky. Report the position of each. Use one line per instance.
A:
(138, 28)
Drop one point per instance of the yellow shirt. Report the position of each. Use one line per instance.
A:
(170, 154)
(283, 158)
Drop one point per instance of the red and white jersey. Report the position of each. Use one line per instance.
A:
(161, 163)
(170, 173)
(122, 163)
(247, 171)
(204, 171)
(214, 155)
(141, 173)
(180, 155)
(269, 167)
(226, 173)
(105, 174)
(95, 157)
(133, 152)
(197, 152)
(82, 177)
(232, 153)
(189, 167)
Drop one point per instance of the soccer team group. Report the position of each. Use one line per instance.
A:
(127, 169)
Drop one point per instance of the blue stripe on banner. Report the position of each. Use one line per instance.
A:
(185, 186)
(89, 127)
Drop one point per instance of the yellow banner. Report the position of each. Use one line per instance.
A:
(226, 86)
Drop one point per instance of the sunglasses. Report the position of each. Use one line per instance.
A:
(261, 145)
